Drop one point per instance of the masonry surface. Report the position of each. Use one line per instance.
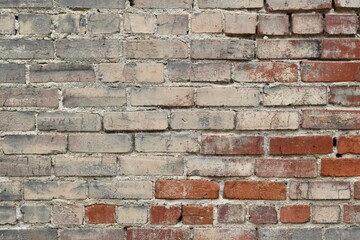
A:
(179, 120)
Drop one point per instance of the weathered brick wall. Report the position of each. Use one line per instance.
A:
(179, 119)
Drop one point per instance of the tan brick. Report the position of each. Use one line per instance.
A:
(17, 121)
(294, 96)
(13, 166)
(206, 22)
(100, 143)
(240, 23)
(320, 190)
(231, 4)
(166, 142)
(144, 165)
(34, 144)
(117, 189)
(10, 191)
(162, 96)
(326, 214)
(307, 23)
(132, 214)
(331, 119)
(94, 97)
(267, 120)
(29, 97)
(101, 23)
(273, 24)
(156, 49)
(67, 214)
(226, 96)
(84, 4)
(172, 24)
(139, 23)
(201, 119)
(7, 24)
(275, 5)
(347, 4)
(48, 190)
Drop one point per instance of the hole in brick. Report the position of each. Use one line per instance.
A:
(132, 2)
(338, 155)
(17, 17)
(334, 142)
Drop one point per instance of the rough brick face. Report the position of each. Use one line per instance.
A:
(197, 215)
(100, 214)
(255, 190)
(295, 214)
(165, 215)
(262, 214)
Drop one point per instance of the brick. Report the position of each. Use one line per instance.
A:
(240, 23)
(26, 4)
(112, 4)
(159, 234)
(86, 49)
(262, 214)
(48, 190)
(149, 165)
(265, 120)
(333, 119)
(307, 23)
(294, 96)
(186, 189)
(11, 166)
(221, 144)
(330, 71)
(231, 213)
(29, 234)
(165, 215)
(295, 214)
(351, 213)
(10, 191)
(67, 214)
(100, 214)
(133, 121)
(219, 233)
(91, 233)
(255, 190)
(356, 190)
(101, 23)
(347, 4)
(265, 72)
(70, 23)
(289, 233)
(17, 121)
(7, 214)
(156, 49)
(163, 4)
(346, 234)
(36, 213)
(348, 144)
(288, 48)
(273, 24)
(219, 167)
(319, 190)
(285, 5)
(68, 122)
(132, 214)
(139, 23)
(12, 73)
(162, 96)
(325, 214)
(30, 24)
(94, 97)
(172, 24)
(100, 143)
(341, 23)
(335, 167)
(117, 189)
(61, 73)
(34, 144)
(235, 97)
(7, 24)
(26, 49)
(226, 49)
(201, 119)
(285, 168)
(298, 145)
(206, 22)
(197, 215)
(85, 166)
(344, 48)
(344, 96)
(230, 4)
(29, 97)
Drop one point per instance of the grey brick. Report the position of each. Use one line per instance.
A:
(116, 4)
(17, 121)
(36, 213)
(34, 24)
(12, 73)
(29, 97)
(91, 234)
(28, 234)
(11, 166)
(7, 214)
(70, 23)
(7, 24)
(100, 23)
(289, 234)
(26, 49)
(26, 3)
(352, 233)
(10, 191)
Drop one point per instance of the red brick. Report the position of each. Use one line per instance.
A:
(186, 189)
(100, 214)
(295, 214)
(321, 144)
(341, 23)
(273, 24)
(197, 215)
(352, 213)
(263, 214)
(231, 145)
(357, 190)
(340, 48)
(330, 71)
(165, 215)
(305, 23)
(333, 119)
(348, 144)
(340, 167)
(231, 213)
(220, 233)
(345, 96)
(284, 168)
(158, 234)
(255, 190)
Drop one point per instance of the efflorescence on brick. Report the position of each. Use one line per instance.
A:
(179, 119)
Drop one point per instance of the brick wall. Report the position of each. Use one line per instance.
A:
(179, 119)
